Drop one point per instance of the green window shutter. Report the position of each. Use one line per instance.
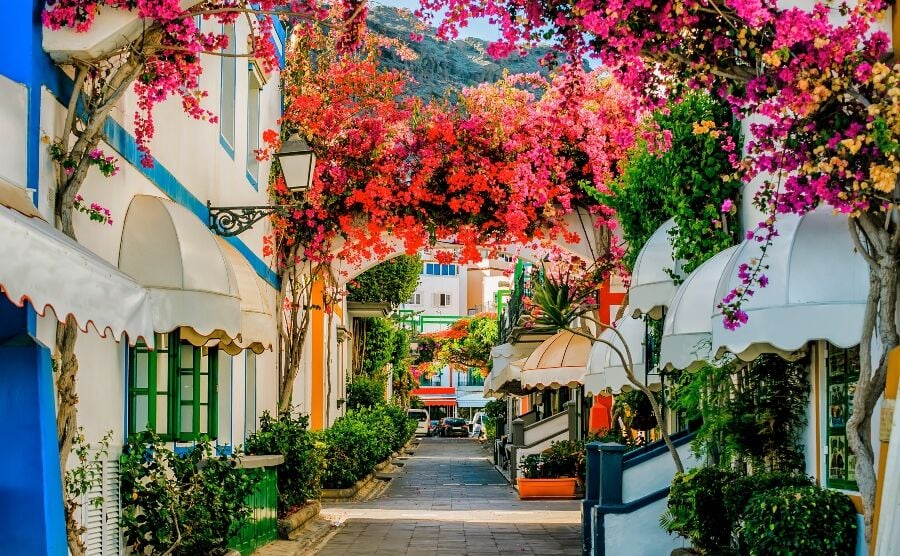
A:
(212, 395)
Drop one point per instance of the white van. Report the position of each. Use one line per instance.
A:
(422, 420)
(478, 425)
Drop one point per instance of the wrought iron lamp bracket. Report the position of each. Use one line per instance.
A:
(231, 221)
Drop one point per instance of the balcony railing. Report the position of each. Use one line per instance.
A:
(525, 277)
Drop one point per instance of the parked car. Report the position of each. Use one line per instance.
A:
(422, 420)
(435, 428)
(454, 426)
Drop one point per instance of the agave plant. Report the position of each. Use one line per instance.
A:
(561, 298)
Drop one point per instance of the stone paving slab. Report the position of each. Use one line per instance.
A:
(450, 500)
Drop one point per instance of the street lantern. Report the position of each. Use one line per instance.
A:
(298, 163)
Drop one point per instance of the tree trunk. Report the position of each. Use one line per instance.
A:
(627, 364)
(880, 249)
(293, 323)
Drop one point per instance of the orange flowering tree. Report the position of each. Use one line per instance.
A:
(466, 344)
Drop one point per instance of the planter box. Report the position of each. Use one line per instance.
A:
(297, 519)
(546, 488)
(112, 29)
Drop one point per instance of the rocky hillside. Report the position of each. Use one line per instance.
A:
(443, 65)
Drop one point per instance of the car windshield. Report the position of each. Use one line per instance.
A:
(455, 421)
(418, 415)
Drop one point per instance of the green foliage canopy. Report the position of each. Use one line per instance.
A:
(689, 182)
(392, 281)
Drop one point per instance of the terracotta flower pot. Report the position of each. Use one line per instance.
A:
(546, 488)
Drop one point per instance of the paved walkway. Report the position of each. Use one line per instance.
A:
(449, 500)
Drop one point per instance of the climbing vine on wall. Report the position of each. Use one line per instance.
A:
(682, 171)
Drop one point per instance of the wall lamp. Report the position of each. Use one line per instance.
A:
(298, 164)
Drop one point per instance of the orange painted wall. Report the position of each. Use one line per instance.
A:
(317, 358)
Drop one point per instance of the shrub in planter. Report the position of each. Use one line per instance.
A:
(697, 509)
(185, 504)
(360, 440)
(365, 391)
(349, 449)
(300, 474)
(564, 458)
(740, 490)
(799, 520)
(550, 474)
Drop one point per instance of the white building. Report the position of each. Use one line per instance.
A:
(157, 269)
(446, 293)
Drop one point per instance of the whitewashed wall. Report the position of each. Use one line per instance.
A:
(191, 151)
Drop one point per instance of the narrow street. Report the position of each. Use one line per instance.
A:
(450, 500)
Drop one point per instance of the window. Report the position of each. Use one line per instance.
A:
(253, 91)
(173, 389)
(434, 380)
(441, 299)
(435, 269)
(842, 368)
(473, 378)
(250, 394)
(415, 299)
(229, 84)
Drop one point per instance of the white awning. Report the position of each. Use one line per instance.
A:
(687, 331)
(560, 360)
(257, 319)
(470, 399)
(817, 289)
(505, 377)
(192, 285)
(606, 372)
(651, 285)
(49, 269)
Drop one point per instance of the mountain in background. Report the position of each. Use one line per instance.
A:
(443, 65)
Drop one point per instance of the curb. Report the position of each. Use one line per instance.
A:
(298, 519)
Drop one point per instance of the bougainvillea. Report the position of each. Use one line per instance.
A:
(173, 63)
(505, 165)
(684, 175)
(467, 343)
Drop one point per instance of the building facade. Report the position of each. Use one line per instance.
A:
(204, 362)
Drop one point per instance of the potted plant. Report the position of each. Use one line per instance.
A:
(553, 473)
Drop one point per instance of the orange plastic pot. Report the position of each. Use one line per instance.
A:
(546, 488)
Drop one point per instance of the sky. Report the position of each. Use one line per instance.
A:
(479, 29)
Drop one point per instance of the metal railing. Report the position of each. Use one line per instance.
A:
(514, 307)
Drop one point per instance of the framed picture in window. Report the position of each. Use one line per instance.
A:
(837, 457)
(837, 404)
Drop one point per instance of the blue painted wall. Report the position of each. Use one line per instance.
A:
(27, 63)
(31, 512)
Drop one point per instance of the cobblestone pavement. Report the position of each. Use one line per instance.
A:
(450, 500)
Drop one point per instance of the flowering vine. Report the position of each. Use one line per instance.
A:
(504, 165)
(94, 211)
